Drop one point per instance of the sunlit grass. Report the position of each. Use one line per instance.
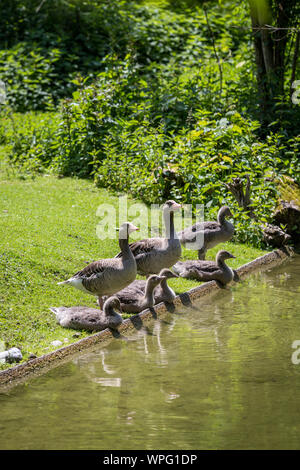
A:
(289, 190)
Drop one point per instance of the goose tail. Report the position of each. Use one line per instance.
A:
(54, 310)
(63, 282)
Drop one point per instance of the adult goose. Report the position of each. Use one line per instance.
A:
(206, 235)
(207, 270)
(91, 319)
(154, 254)
(134, 300)
(108, 276)
(163, 292)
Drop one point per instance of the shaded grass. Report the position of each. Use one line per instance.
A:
(48, 233)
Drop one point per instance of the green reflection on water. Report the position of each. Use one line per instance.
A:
(217, 376)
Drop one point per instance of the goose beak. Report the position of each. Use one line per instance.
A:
(133, 228)
(232, 256)
(176, 206)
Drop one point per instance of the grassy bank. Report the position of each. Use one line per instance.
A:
(49, 232)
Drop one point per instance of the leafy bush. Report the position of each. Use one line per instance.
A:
(28, 76)
(150, 113)
(43, 45)
(118, 131)
(31, 137)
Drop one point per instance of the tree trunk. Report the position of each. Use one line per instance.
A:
(260, 68)
(264, 61)
(294, 64)
(280, 42)
(270, 45)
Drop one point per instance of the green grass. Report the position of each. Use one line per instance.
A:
(48, 233)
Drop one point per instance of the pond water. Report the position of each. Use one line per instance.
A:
(217, 376)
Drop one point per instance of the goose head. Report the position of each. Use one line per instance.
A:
(171, 206)
(224, 212)
(167, 273)
(222, 255)
(126, 229)
(154, 280)
(110, 304)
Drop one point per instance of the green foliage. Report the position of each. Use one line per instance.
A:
(31, 138)
(45, 44)
(160, 103)
(28, 76)
(110, 131)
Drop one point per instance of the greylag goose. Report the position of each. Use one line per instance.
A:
(207, 270)
(209, 234)
(134, 300)
(91, 319)
(154, 254)
(108, 276)
(163, 292)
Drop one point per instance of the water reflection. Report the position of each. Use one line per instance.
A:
(218, 375)
(113, 382)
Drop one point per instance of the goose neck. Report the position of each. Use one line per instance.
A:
(124, 246)
(166, 289)
(221, 217)
(221, 263)
(164, 285)
(108, 310)
(149, 294)
(169, 223)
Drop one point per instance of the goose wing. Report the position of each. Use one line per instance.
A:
(137, 286)
(145, 246)
(95, 274)
(197, 265)
(194, 271)
(95, 268)
(134, 290)
(209, 229)
(89, 321)
(208, 275)
(128, 300)
(200, 226)
(207, 267)
(206, 226)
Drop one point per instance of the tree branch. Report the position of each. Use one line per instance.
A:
(215, 50)
(294, 64)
